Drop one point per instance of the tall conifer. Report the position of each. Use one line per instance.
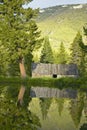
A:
(77, 54)
(46, 53)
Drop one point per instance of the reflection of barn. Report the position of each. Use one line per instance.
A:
(46, 92)
(54, 70)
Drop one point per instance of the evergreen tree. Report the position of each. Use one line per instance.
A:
(84, 49)
(77, 54)
(18, 31)
(46, 53)
(62, 55)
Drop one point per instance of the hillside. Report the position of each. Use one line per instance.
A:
(61, 23)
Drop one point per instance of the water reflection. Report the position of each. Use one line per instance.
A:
(46, 92)
(67, 111)
(84, 127)
(64, 109)
(13, 117)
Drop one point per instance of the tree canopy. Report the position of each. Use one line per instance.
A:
(77, 54)
(19, 33)
(82, 45)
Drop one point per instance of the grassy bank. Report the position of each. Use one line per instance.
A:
(63, 82)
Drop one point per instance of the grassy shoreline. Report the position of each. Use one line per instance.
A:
(63, 82)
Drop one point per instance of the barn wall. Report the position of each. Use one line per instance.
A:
(40, 70)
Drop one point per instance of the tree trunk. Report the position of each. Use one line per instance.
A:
(23, 76)
(22, 68)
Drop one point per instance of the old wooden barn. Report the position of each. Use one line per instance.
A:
(54, 70)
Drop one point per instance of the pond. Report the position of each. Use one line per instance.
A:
(44, 109)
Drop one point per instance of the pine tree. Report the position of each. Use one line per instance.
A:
(18, 31)
(62, 55)
(77, 54)
(84, 49)
(46, 53)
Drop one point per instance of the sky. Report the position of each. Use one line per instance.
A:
(48, 3)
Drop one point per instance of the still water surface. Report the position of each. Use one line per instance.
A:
(66, 112)
(64, 109)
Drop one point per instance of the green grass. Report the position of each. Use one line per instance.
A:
(64, 82)
(4, 80)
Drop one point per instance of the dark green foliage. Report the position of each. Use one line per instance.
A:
(4, 60)
(46, 53)
(76, 50)
(62, 55)
(84, 127)
(13, 69)
(77, 54)
(84, 47)
(19, 33)
(28, 61)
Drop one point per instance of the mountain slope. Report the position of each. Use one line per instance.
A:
(61, 23)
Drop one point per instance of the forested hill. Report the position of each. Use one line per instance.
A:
(61, 23)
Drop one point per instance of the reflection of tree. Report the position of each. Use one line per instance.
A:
(84, 127)
(45, 105)
(76, 108)
(12, 116)
(60, 103)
